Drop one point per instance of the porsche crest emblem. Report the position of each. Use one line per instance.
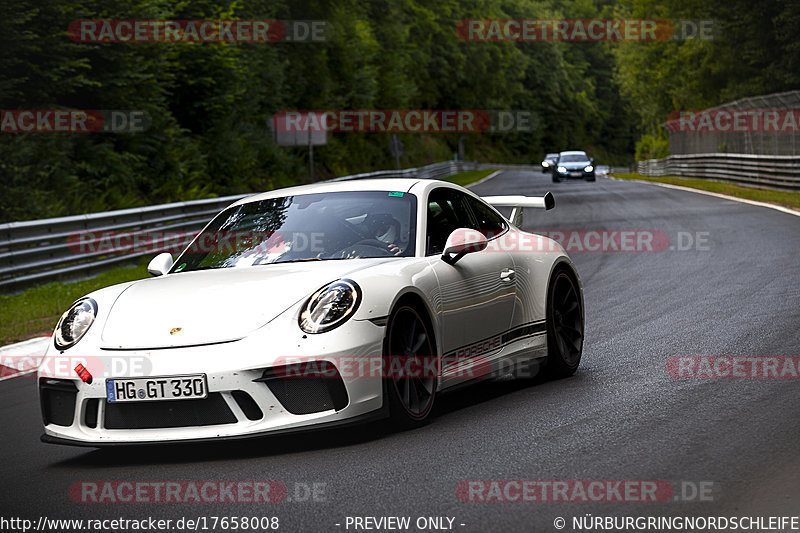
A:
(173, 331)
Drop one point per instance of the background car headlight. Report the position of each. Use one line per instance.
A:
(74, 323)
(562, 170)
(330, 306)
(589, 168)
(545, 164)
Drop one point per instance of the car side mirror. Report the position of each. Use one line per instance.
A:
(160, 264)
(591, 160)
(463, 241)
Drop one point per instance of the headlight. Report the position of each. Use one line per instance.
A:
(545, 164)
(331, 306)
(75, 323)
(562, 170)
(588, 168)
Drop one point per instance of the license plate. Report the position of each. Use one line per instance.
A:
(189, 387)
(575, 174)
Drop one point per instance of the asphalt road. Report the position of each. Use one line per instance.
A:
(621, 417)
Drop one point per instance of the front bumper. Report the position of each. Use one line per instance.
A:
(372, 416)
(233, 369)
(574, 174)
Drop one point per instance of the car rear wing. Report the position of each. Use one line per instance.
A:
(518, 202)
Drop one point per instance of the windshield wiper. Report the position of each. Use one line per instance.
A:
(305, 259)
(207, 267)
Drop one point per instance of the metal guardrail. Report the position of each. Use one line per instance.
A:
(489, 166)
(37, 250)
(764, 171)
(745, 139)
(432, 171)
(620, 170)
(42, 250)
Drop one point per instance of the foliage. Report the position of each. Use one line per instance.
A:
(210, 103)
(754, 50)
(652, 146)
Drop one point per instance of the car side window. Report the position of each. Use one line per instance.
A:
(447, 211)
(488, 222)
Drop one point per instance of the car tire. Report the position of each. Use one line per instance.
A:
(590, 178)
(410, 398)
(564, 325)
(556, 180)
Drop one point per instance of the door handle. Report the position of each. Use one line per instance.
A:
(507, 275)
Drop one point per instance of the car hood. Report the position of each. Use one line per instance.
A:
(212, 306)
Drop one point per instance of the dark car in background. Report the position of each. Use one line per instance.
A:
(573, 165)
(549, 161)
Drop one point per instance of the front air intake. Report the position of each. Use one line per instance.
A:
(58, 401)
(312, 389)
(169, 413)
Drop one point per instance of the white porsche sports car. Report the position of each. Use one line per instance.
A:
(312, 307)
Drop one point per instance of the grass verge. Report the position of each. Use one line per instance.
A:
(35, 311)
(784, 198)
(469, 176)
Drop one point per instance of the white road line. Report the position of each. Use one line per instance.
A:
(780, 208)
(487, 178)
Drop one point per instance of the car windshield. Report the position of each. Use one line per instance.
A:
(551, 156)
(573, 158)
(308, 227)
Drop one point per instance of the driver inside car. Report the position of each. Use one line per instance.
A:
(385, 228)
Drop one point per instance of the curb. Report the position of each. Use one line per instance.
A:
(22, 358)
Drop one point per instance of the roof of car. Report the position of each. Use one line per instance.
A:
(574, 152)
(383, 184)
(379, 184)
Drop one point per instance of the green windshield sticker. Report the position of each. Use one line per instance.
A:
(395, 194)
(180, 267)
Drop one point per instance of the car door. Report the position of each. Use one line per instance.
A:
(476, 294)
